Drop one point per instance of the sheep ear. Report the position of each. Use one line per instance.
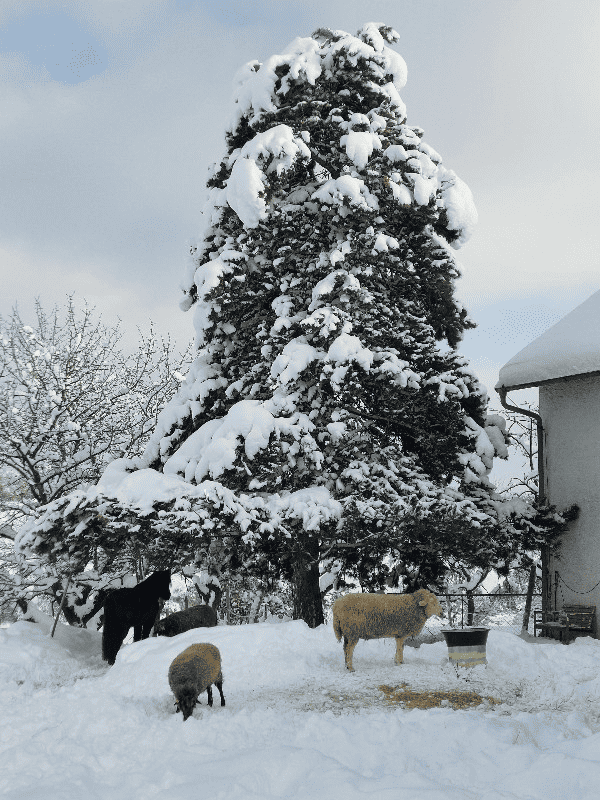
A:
(422, 602)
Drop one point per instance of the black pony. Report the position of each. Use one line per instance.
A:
(135, 607)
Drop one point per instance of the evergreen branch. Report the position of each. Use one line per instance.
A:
(386, 420)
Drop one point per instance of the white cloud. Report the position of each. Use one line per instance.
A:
(103, 182)
(25, 276)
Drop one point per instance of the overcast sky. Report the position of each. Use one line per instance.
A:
(112, 110)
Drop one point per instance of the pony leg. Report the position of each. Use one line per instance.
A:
(209, 693)
(148, 623)
(113, 635)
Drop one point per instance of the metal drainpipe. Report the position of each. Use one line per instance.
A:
(541, 489)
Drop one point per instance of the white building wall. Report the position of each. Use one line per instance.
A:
(570, 412)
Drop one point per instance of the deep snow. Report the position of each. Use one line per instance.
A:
(296, 724)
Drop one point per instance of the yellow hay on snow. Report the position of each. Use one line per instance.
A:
(409, 698)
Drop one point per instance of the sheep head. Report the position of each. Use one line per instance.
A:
(186, 703)
(429, 602)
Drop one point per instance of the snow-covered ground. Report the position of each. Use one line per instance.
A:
(296, 724)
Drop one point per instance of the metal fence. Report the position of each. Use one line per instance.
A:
(498, 611)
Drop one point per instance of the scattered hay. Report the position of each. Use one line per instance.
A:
(409, 698)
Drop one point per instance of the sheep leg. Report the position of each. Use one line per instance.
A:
(209, 693)
(399, 658)
(348, 651)
(219, 685)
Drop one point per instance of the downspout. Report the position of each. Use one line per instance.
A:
(545, 554)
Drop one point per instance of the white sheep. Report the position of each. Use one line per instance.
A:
(375, 616)
(194, 671)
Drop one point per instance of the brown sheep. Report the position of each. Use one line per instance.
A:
(375, 616)
(194, 671)
(194, 617)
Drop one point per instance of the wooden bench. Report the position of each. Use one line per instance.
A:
(566, 624)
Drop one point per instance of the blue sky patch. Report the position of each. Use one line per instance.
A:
(57, 41)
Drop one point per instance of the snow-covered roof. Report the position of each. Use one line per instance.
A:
(569, 348)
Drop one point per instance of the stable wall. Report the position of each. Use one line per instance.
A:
(570, 412)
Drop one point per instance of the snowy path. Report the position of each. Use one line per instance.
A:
(296, 725)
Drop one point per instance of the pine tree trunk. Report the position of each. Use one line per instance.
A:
(308, 604)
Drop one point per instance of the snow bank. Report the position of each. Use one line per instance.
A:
(296, 724)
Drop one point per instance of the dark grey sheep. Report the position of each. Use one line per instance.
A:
(194, 617)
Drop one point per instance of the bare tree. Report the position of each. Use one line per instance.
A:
(522, 432)
(71, 401)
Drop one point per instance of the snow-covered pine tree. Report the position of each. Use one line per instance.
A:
(322, 286)
(328, 418)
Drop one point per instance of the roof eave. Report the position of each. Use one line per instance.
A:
(533, 384)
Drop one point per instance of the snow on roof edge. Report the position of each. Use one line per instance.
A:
(568, 349)
(534, 384)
